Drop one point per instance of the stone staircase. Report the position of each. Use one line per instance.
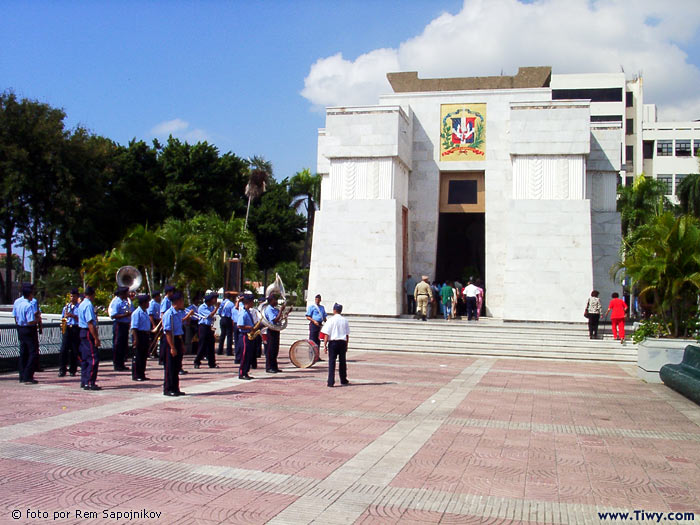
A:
(488, 337)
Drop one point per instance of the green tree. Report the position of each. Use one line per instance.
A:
(665, 263)
(688, 192)
(306, 191)
(276, 226)
(640, 203)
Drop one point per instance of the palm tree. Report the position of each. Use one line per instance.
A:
(145, 249)
(305, 189)
(688, 192)
(665, 262)
(260, 171)
(639, 203)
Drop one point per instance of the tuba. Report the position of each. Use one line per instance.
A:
(276, 288)
(130, 277)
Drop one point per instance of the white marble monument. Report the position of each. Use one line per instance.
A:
(470, 176)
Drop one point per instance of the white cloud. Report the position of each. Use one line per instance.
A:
(573, 36)
(181, 129)
(169, 127)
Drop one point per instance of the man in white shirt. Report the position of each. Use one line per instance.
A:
(336, 338)
(470, 293)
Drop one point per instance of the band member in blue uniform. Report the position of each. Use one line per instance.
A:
(207, 311)
(238, 349)
(26, 319)
(141, 338)
(245, 326)
(335, 344)
(272, 346)
(316, 314)
(226, 324)
(70, 342)
(120, 312)
(172, 328)
(153, 309)
(89, 341)
(165, 305)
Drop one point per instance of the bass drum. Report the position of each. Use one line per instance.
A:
(303, 353)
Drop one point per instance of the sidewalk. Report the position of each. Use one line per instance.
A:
(413, 439)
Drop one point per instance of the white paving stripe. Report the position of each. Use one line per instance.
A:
(380, 461)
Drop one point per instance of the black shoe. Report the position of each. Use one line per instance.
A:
(278, 371)
(249, 377)
(62, 373)
(39, 368)
(137, 379)
(345, 382)
(228, 355)
(31, 382)
(196, 365)
(321, 359)
(270, 371)
(183, 372)
(181, 393)
(215, 366)
(93, 387)
(244, 378)
(160, 363)
(219, 353)
(171, 394)
(83, 387)
(330, 386)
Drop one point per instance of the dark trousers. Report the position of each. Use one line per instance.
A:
(593, 320)
(226, 324)
(162, 350)
(90, 358)
(206, 346)
(248, 349)
(339, 349)
(411, 301)
(138, 362)
(173, 364)
(236, 351)
(191, 329)
(70, 346)
(121, 344)
(314, 332)
(471, 308)
(272, 350)
(27, 352)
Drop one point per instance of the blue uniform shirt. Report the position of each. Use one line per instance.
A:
(119, 306)
(35, 305)
(70, 308)
(226, 308)
(271, 313)
(316, 312)
(86, 314)
(235, 314)
(140, 320)
(172, 321)
(165, 305)
(23, 311)
(245, 319)
(154, 309)
(205, 311)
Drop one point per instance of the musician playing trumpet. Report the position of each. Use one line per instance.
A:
(206, 313)
(141, 338)
(272, 347)
(70, 343)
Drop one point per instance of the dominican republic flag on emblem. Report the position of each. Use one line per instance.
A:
(463, 130)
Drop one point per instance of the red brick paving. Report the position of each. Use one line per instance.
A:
(289, 425)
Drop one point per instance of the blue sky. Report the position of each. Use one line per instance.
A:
(233, 72)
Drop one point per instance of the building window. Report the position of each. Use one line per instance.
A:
(682, 148)
(668, 181)
(462, 192)
(606, 118)
(629, 99)
(629, 154)
(629, 127)
(594, 95)
(648, 150)
(629, 180)
(696, 147)
(664, 148)
(679, 179)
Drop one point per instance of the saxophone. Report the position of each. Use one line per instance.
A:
(64, 320)
(255, 332)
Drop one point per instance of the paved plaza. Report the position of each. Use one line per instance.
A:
(414, 439)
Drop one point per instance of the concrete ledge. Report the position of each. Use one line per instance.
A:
(655, 353)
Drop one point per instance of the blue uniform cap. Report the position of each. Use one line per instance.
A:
(211, 296)
(169, 288)
(144, 298)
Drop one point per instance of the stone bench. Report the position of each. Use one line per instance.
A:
(685, 376)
